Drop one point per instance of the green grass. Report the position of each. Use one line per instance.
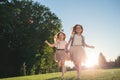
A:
(98, 74)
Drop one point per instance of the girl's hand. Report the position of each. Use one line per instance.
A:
(66, 46)
(46, 41)
(49, 44)
(91, 46)
(66, 50)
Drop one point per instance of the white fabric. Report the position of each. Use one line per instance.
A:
(60, 44)
(77, 40)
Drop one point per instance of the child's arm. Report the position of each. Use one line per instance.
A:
(68, 42)
(51, 45)
(86, 45)
(89, 46)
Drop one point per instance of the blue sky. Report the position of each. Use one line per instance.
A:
(100, 20)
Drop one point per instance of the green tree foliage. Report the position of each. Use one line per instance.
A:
(102, 61)
(24, 26)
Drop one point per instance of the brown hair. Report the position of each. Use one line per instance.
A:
(59, 34)
(56, 37)
(74, 28)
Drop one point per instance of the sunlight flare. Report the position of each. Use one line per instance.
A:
(92, 58)
(69, 64)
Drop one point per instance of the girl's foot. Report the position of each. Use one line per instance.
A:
(78, 79)
(64, 69)
(62, 77)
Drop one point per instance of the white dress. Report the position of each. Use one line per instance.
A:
(77, 51)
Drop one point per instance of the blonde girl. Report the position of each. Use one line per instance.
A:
(60, 53)
(77, 51)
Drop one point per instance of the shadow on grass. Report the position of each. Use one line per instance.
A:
(59, 78)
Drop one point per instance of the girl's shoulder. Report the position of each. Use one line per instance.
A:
(72, 35)
(57, 40)
(83, 37)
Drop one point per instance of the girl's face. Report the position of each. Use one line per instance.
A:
(61, 36)
(78, 29)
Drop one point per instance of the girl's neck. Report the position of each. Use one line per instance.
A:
(61, 40)
(78, 33)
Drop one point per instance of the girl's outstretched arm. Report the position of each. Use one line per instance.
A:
(49, 44)
(89, 46)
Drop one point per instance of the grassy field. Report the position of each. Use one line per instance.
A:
(98, 74)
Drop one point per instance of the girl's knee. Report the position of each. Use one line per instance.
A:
(62, 62)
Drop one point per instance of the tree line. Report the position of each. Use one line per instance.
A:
(24, 26)
(103, 63)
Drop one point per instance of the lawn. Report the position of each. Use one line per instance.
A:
(97, 74)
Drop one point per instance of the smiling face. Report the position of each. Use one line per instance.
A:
(61, 36)
(78, 29)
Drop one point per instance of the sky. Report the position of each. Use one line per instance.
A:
(99, 18)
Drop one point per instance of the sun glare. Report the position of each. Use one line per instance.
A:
(92, 59)
(69, 64)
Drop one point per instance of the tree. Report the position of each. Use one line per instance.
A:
(102, 61)
(117, 62)
(24, 26)
(111, 64)
(3, 0)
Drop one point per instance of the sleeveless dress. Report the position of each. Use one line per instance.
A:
(77, 51)
(60, 53)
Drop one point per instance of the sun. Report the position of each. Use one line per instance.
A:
(91, 61)
(92, 58)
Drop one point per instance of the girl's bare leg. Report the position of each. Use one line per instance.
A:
(78, 69)
(59, 63)
(63, 69)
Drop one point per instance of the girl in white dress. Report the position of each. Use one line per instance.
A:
(77, 51)
(60, 54)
